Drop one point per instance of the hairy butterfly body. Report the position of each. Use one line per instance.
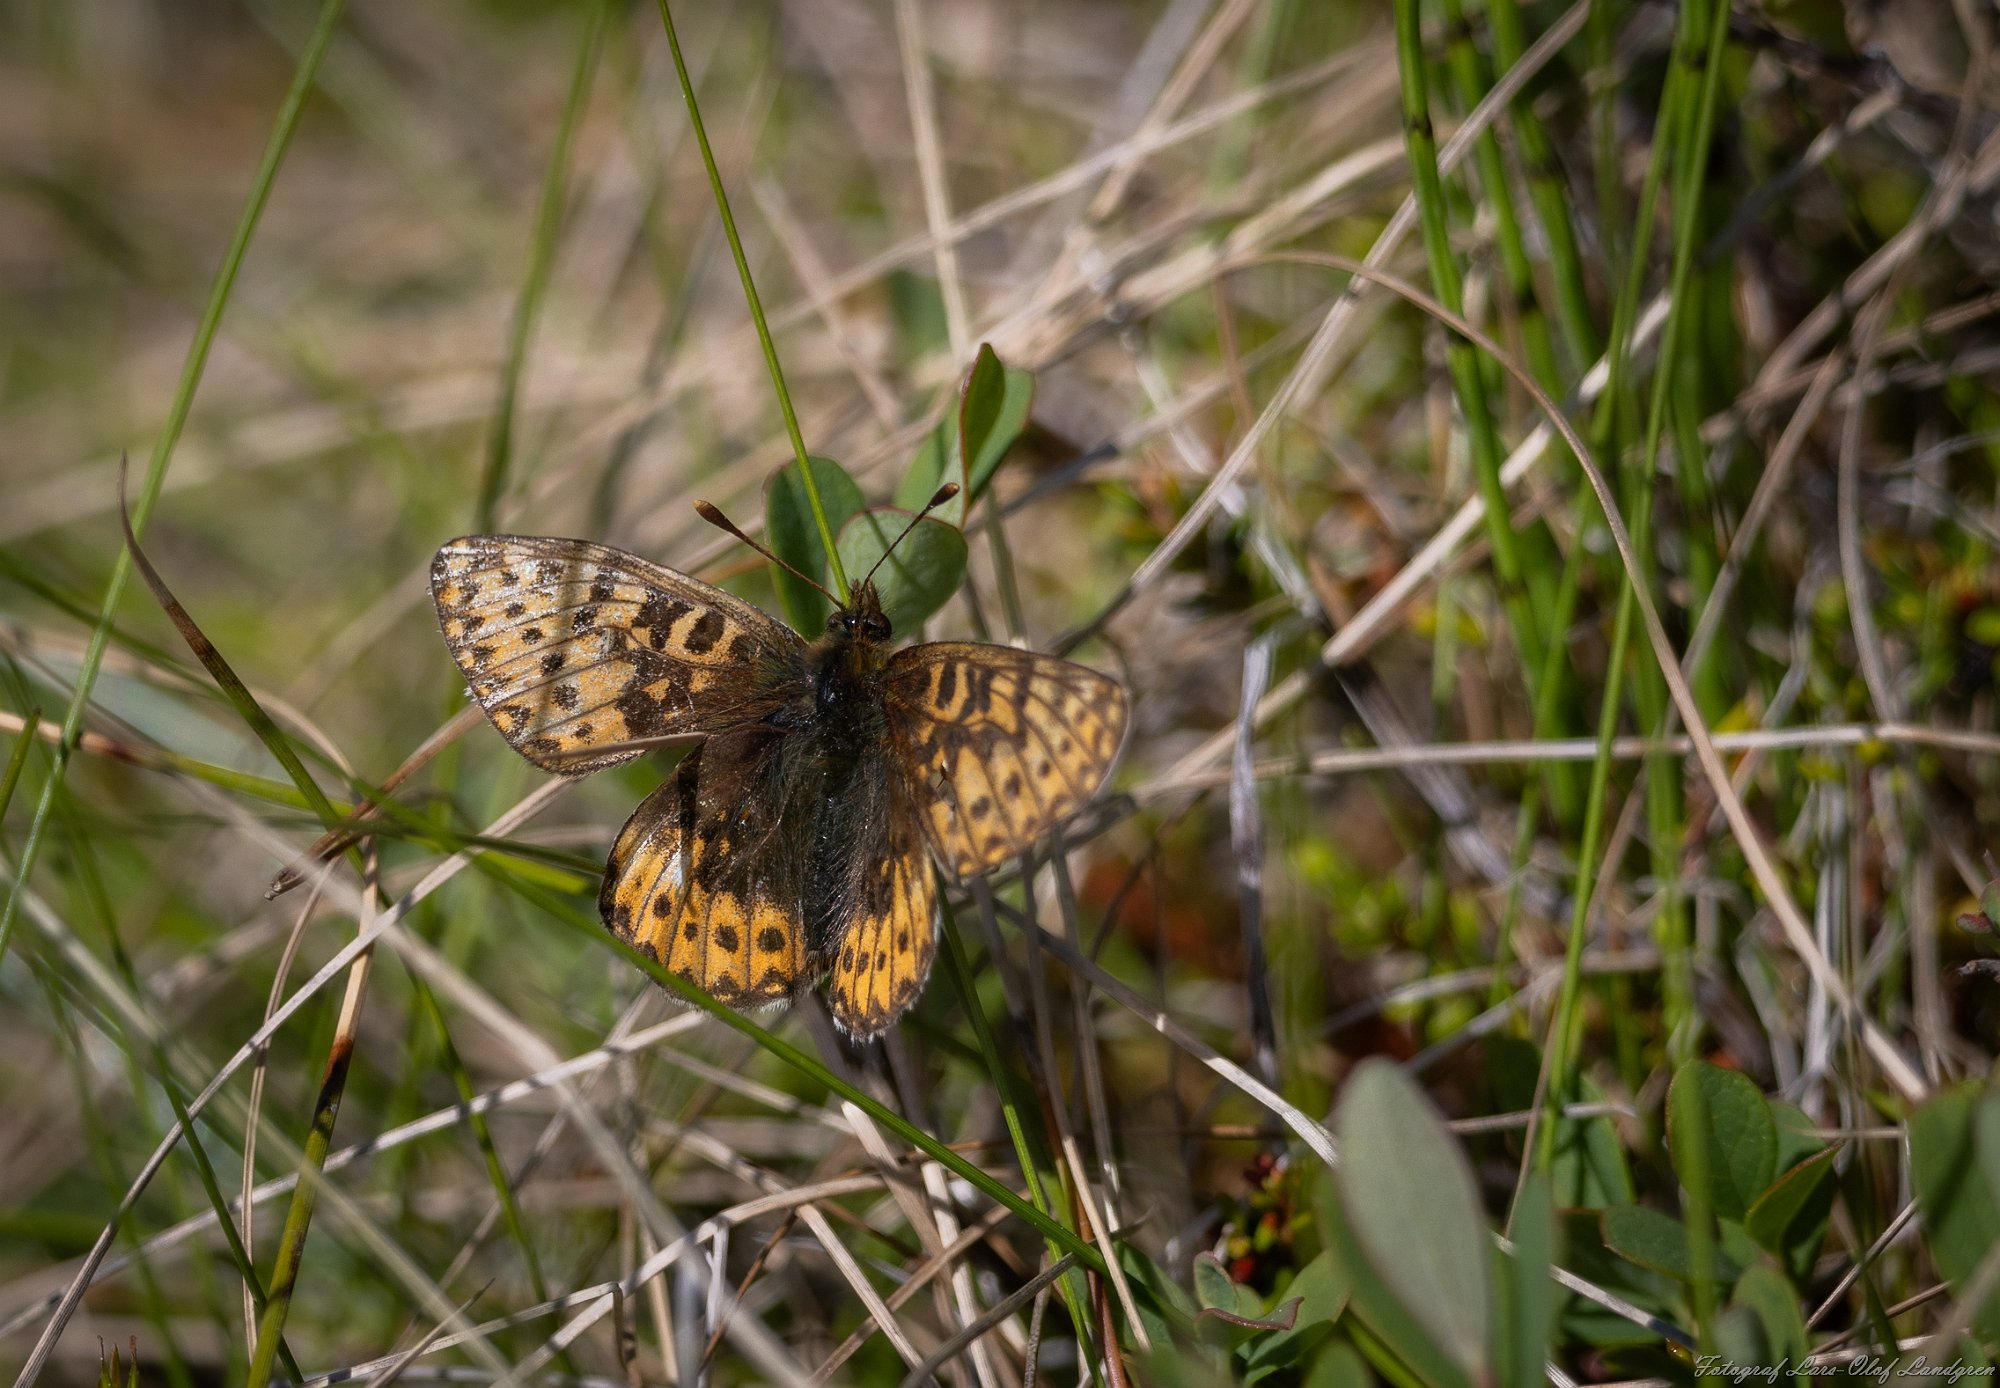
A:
(790, 844)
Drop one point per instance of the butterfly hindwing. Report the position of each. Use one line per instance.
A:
(702, 877)
(998, 745)
(571, 646)
(882, 951)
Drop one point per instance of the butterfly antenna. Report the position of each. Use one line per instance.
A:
(943, 494)
(710, 513)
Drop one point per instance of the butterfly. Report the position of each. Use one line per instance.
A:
(790, 843)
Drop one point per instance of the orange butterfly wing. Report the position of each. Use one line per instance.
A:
(571, 647)
(998, 745)
(705, 875)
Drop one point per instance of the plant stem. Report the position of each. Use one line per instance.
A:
(756, 308)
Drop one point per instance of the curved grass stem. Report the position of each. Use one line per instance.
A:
(756, 307)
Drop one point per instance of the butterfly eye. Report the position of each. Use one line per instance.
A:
(876, 625)
(835, 620)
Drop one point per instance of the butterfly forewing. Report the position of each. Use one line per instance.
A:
(999, 745)
(571, 647)
(882, 951)
(707, 878)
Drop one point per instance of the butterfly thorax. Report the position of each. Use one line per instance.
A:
(845, 666)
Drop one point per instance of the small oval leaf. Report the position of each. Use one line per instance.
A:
(1739, 1154)
(927, 472)
(1795, 1206)
(993, 411)
(919, 577)
(1960, 1210)
(793, 534)
(994, 403)
(1765, 1293)
(1656, 1241)
(1407, 1193)
(1317, 1294)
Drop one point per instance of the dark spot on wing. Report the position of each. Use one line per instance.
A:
(771, 939)
(726, 936)
(705, 632)
(553, 662)
(644, 715)
(564, 695)
(532, 635)
(516, 609)
(656, 616)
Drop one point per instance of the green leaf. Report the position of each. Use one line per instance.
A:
(1796, 1139)
(1372, 1303)
(1765, 1293)
(1789, 1217)
(1960, 1210)
(1320, 1289)
(1585, 1253)
(927, 472)
(1284, 1317)
(993, 411)
(1740, 1147)
(1656, 1241)
(919, 577)
(1408, 1195)
(1215, 1289)
(1160, 1301)
(1231, 1312)
(1339, 1365)
(993, 408)
(1739, 1338)
(1527, 1296)
(1986, 1143)
(793, 534)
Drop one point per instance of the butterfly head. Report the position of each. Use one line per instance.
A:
(860, 621)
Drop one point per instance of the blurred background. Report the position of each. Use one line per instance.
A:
(1368, 608)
